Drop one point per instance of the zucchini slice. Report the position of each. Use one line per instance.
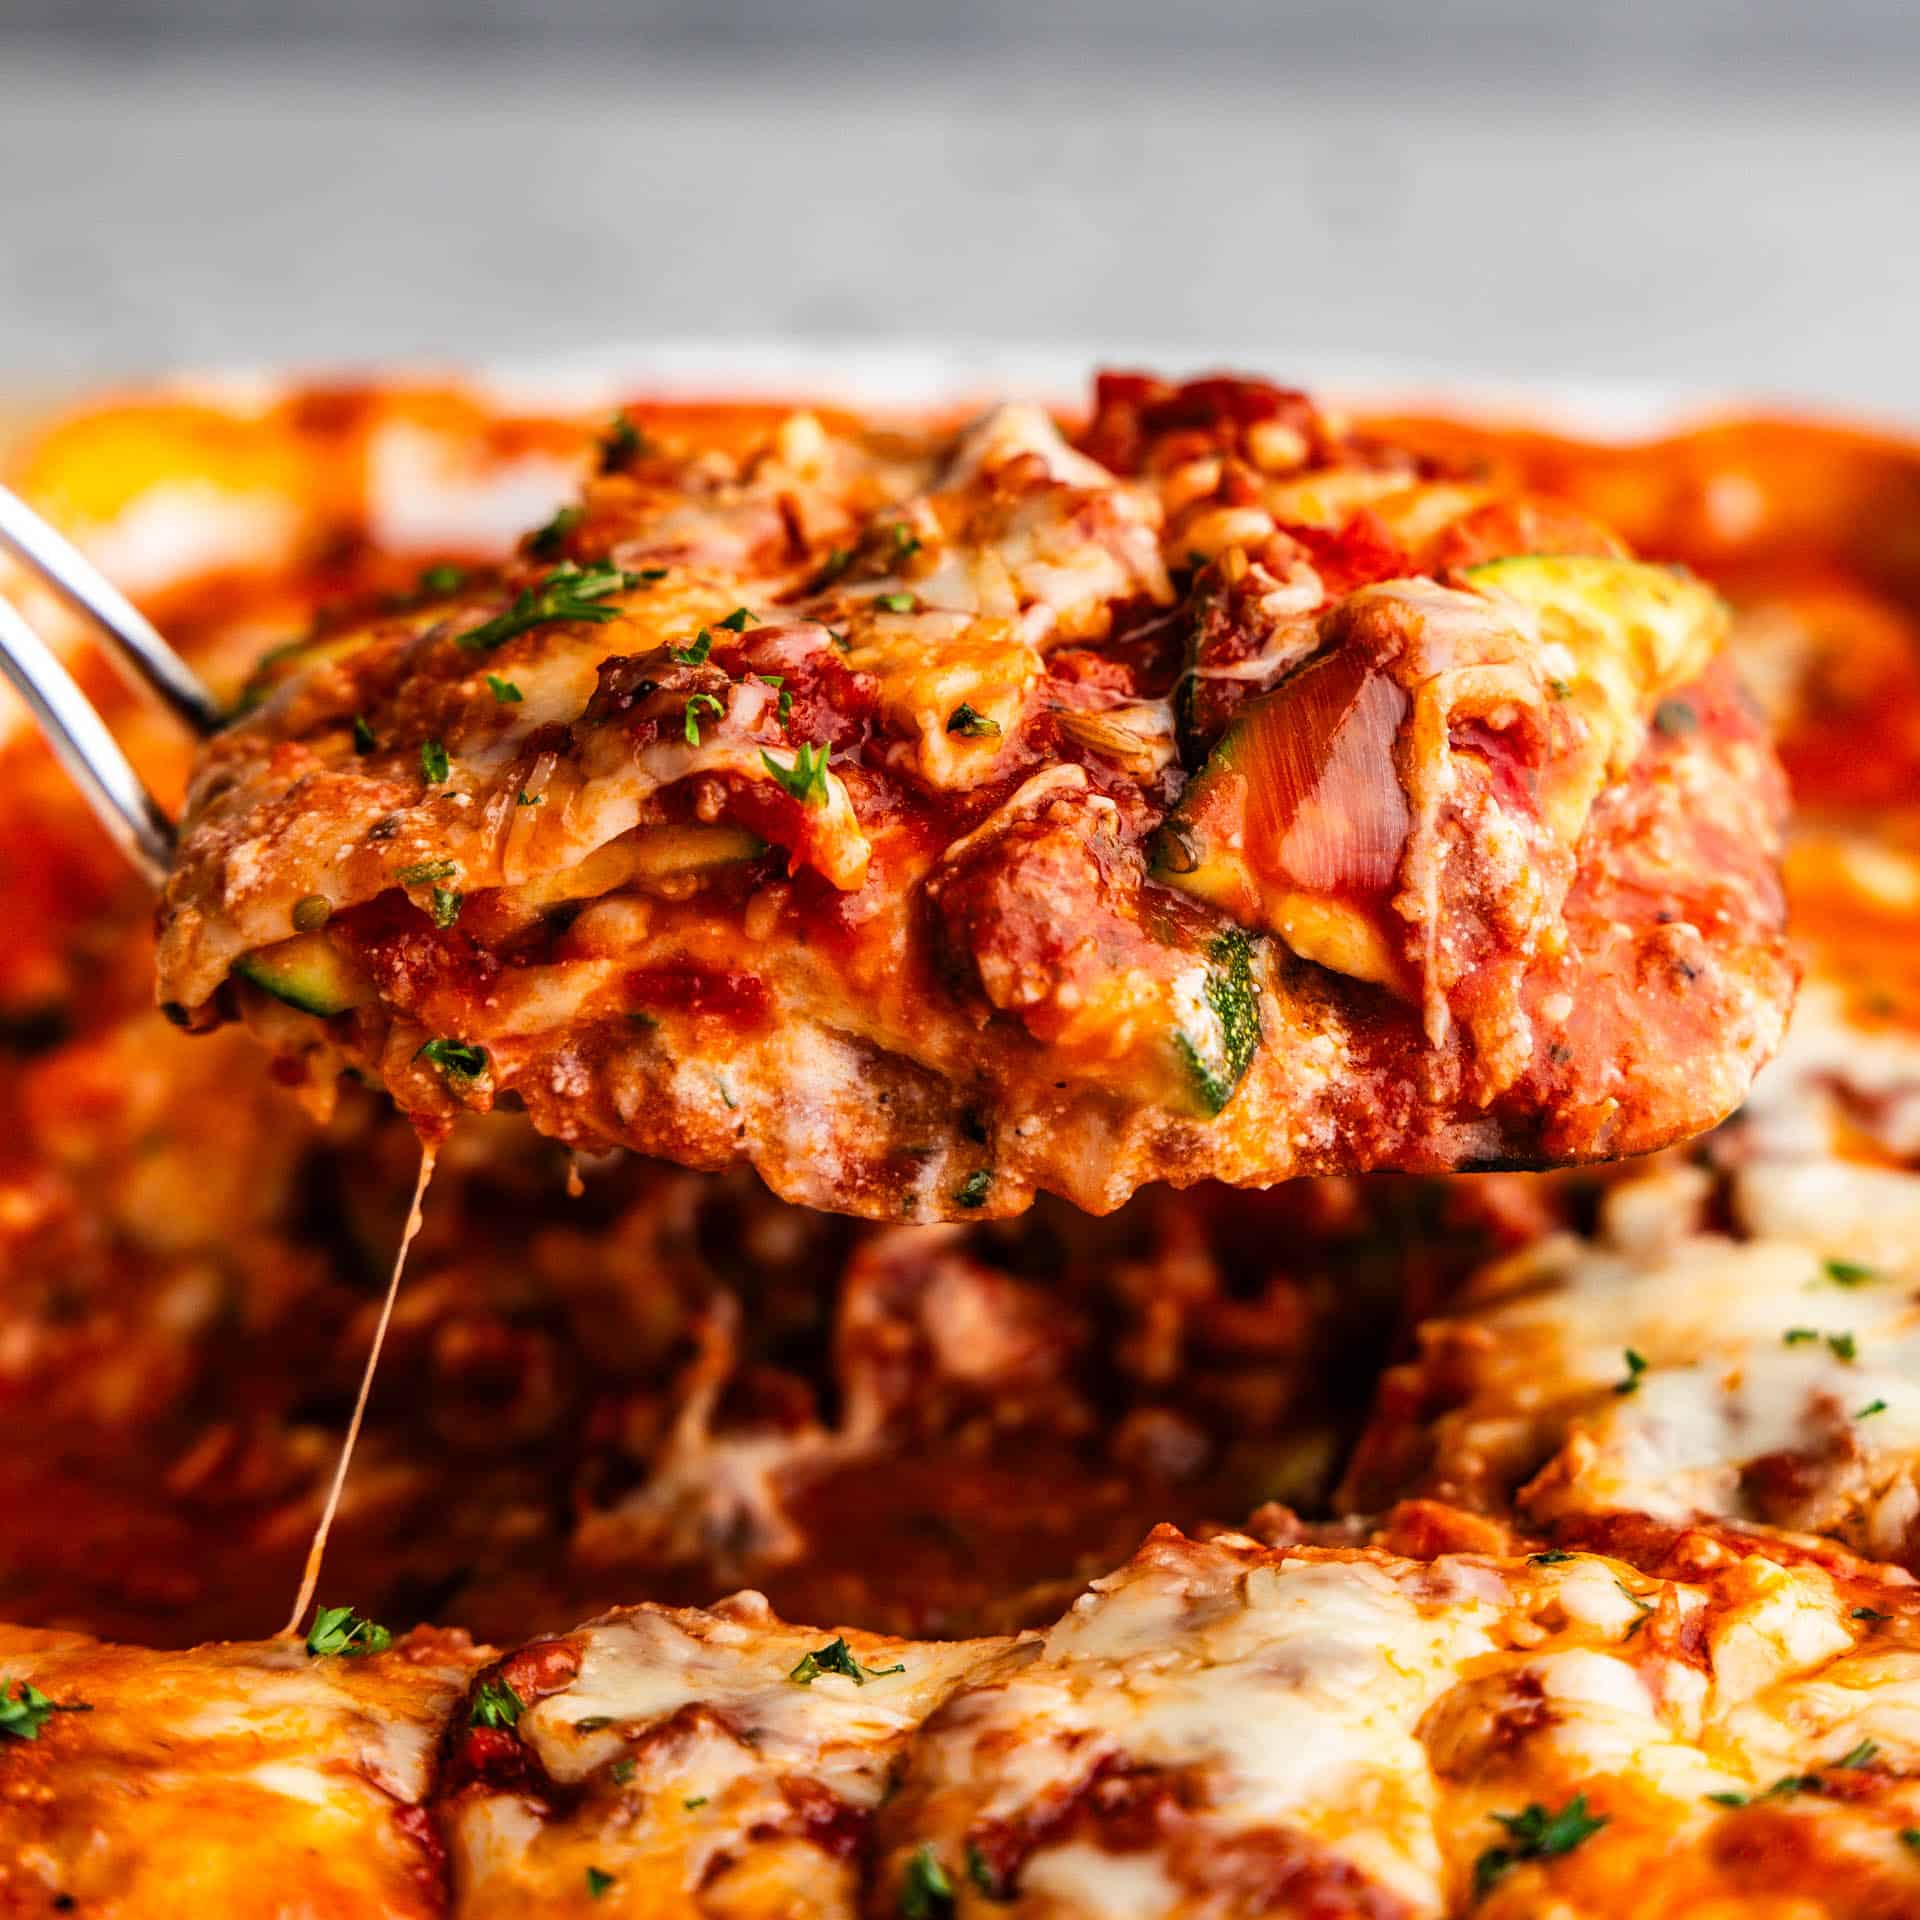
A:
(309, 972)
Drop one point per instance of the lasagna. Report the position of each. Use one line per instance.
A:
(930, 818)
(1539, 1542)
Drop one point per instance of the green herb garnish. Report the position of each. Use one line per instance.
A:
(495, 1704)
(897, 602)
(974, 1189)
(25, 1711)
(695, 655)
(567, 593)
(692, 718)
(837, 1657)
(971, 723)
(1535, 1834)
(1636, 1366)
(363, 740)
(455, 1058)
(503, 690)
(339, 1630)
(598, 1882)
(926, 1893)
(806, 779)
(433, 763)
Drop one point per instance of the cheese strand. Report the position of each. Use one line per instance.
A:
(316, 1552)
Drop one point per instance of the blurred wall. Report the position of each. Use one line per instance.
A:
(1694, 193)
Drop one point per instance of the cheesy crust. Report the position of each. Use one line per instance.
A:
(242, 1780)
(927, 819)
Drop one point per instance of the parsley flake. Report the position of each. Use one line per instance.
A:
(443, 579)
(1860, 1756)
(695, 655)
(527, 799)
(837, 1657)
(694, 1801)
(1551, 1558)
(694, 707)
(1872, 1407)
(1535, 1834)
(1849, 1273)
(926, 1893)
(1799, 1336)
(1910, 1838)
(739, 620)
(906, 543)
(1843, 1345)
(974, 1189)
(339, 1630)
(455, 1058)
(1636, 1366)
(971, 724)
(623, 1770)
(898, 602)
(598, 1882)
(838, 560)
(363, 737)
(424, 870)
(446, 905)
(503, 690)
(495, 1704)
(1868, 1613)
(24, 1713)
(806, 779)
(567, 593)
(981, 1873)
(433, 763)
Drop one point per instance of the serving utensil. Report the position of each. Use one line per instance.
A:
(72, 726)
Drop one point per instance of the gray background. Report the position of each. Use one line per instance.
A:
(1699, 194)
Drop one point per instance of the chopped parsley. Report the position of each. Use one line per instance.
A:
(363, 737)
(1843, 1345)
(598, 1882)
(339, 1630)
(1910, 1838)
(696, 654)
(1559, 688)
(837, 1657)
(1535, 1834)
(433, 763)
(1872, 1407)
(621, 444)
(700, 702)
(503, 690)
(898, 602)
(1849, 1273)
(693, 1801)
(1860, 1756)
(783, 707)
(1799, 1336)
(1675, 717)
(422, 871)
(971, 723)
(311, 911)
(806, 779)
(447, 902)
(24, 1713)
(906, 543)
(739, 620)
(443, 579)
(527, 799)
(623, 1769)
(567, 593)
(1868, 1613)
(455, 1058)
(973, 1190)
(926, 1893)
(1551, 1558)
(1636, 1366)
(495, 1704)
(547, 542)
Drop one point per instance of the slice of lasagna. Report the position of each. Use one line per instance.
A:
(930, 817)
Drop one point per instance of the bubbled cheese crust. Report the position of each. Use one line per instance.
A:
(242, 1780)
(806, 808)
